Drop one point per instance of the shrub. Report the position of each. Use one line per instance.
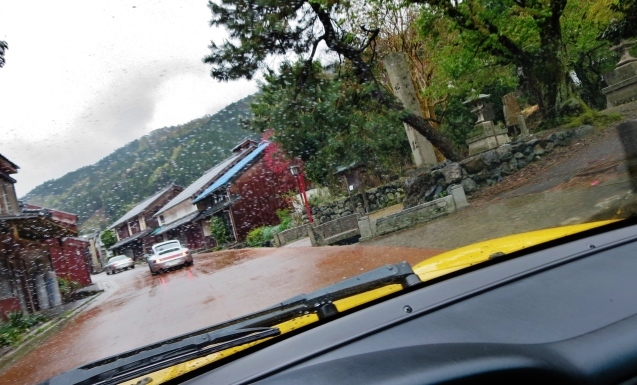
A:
(322, 196)
(67, 287)
(285, 218)
(108, 238)
(593, 118)
(20, 321)
(257, 237)
(9, 335)
(12, 330)
(260, 235)
(219, 230)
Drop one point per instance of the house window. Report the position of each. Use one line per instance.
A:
(161, 220)
(134, 227)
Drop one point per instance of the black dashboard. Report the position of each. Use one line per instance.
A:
(565, 314)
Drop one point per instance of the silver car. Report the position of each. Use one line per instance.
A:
(167, 255)
(119, 263)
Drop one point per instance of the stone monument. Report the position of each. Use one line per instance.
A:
(485, 135)
(398, 71)
(513, 118)
(622, 82)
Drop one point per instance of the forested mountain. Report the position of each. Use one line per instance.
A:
(107, 189)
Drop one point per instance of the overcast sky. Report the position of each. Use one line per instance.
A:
(84, 77)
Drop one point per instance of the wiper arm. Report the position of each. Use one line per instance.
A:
(321, 300)
(135, 363)
(236, 332)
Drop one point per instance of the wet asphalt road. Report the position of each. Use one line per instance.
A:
(138, 309)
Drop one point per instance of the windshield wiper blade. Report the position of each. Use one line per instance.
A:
(400, 273)
(132, 364)
(249, 328)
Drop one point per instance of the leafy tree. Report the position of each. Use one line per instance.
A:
(274, 157)
(108, 238)
(586, 56)
(624, 28)
(523, 33)
(332, 121)
(3, 48)
(260, 29)
(548, 48)
(219, 230)
(279, 162)
(398, 31)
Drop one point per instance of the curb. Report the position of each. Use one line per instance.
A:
(36, 337)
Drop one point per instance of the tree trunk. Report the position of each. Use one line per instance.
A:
(550, 67)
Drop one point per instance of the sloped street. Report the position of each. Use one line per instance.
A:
(137, 309)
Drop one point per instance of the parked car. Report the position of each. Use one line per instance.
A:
(168, 255)
(119, 263)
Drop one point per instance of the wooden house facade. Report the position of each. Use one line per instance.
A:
(133, 229)
(37, 246)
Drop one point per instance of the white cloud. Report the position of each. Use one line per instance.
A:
(83, 78)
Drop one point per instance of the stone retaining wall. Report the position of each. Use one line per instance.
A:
(378, 198)
(472, 173)
(415, 215)
(486, 168)
(370, 228)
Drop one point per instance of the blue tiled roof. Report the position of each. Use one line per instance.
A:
(232, 172)
(197, 185)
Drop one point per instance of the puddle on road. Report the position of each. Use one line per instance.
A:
(349, 261)
(212, 262)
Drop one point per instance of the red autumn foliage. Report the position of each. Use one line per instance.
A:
(279, 163)
(275, 159)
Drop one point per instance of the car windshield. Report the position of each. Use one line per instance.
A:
(287, 146)
(166, 248)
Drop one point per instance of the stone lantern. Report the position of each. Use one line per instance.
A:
(622, 82)
(485, 135)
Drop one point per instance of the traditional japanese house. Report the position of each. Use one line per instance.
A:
(36, 248)
(133, 229)
(180, 219)
(246, 196)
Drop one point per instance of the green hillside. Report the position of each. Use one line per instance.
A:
(179, 154)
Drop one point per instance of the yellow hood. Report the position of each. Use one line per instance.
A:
(460, 258)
